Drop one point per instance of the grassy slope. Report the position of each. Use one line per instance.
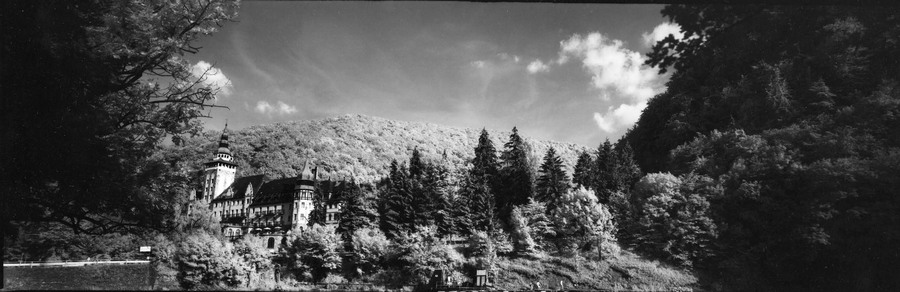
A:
(355, 145)
(625, 271)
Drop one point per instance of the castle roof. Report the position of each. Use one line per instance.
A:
(239, 187)
(275, 191)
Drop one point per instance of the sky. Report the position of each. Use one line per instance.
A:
(564, 72)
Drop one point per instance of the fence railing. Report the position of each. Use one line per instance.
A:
(75, 263)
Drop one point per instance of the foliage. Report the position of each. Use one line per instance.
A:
(553, 180)
(516, 175)
(357, 213)
(421, 252)
(583, 174)
(520, 232)
(206, 262)
(252, 251)
(674, 221)
(79, 152)
(370, 249)
(312, 255)
(792, 112)
(581, 222)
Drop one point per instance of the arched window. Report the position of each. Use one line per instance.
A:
(271, 242)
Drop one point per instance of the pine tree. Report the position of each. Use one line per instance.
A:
(485, 161)
(583, 175)
(516, 174)
(416, 166)
(481, 204)
(356, 212)
(553, 182)
(397, 206)
(604, 170)
(627, 170)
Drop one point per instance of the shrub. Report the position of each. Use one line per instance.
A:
(206, 262)
(370, 247)
(313, 254)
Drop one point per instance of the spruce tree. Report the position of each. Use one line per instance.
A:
(627, 171)
(583, 175)
(553, 182)
(416, 166)
(356, 212)
(397, 202)
(604, 170)
(481, 204)
(485, 161)
(516, 174)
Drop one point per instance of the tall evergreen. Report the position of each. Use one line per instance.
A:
(583, 175)
(516, 175)
(356, 212)
(481, 204)
(553, 181)
(627, 171)
(604, 170)
(397, 202)
(416, 165)
(485, 161)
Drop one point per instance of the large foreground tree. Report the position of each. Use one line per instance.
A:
(90, 90)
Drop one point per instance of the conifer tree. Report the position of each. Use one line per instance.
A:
(356, 212)
(553, 181)
(485, 161)
(397, 202)
(416, 166)
(516, 174)
(583, 175)
(627, 171)
(604, 170)
(481, 204)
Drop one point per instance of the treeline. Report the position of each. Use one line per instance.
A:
(422, 217)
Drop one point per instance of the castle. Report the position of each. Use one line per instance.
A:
(271, 209)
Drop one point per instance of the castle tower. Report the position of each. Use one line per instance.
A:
(219, 172)
(303, 196)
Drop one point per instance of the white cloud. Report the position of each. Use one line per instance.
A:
(660, 32)
(537, 66)
(214, 77)
(479, 64)
(281, 108)
(618, 73)
(619, 118)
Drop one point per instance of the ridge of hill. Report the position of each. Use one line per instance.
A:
(357, 145)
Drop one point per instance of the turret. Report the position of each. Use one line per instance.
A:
(220, 171)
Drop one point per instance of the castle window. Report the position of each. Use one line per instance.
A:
(271, 243)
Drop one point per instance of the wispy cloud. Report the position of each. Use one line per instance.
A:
(660, 32)
(212, 77)
(281, 108)
(619, 74)
(537, 66)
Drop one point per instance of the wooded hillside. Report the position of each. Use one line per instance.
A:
(354, 145)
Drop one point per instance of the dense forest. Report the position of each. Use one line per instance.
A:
(779, 132)
(353, 146)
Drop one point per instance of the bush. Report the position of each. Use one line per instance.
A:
(582, 223)
(370, 248)
(312, 255)
(418, 254)
(206, 262)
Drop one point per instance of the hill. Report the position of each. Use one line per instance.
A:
(355, 145)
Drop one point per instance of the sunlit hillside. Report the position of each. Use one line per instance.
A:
(356, 145)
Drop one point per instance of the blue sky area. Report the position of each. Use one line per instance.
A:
(565, 72)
